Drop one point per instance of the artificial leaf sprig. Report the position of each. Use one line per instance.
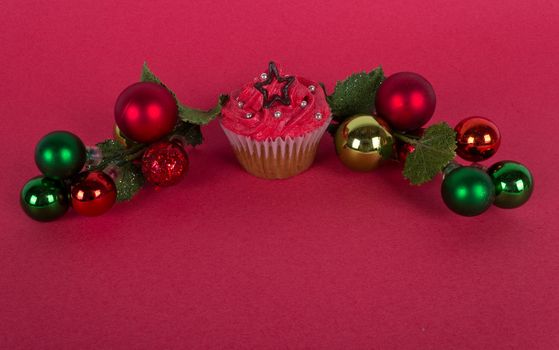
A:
(433, 151)
(114, 154)
(129, 179)
(186, 114)
(354, 95)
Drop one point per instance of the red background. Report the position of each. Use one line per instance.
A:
(330, 259)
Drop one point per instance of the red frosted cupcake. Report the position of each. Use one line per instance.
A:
(275, 123)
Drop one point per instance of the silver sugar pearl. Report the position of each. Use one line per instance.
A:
(248, 115)
(240, 104)
(277, 114)
(312, 88)
(318, 115)
(304, 104)
(263, 76)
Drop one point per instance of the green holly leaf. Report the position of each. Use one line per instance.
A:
(186, 114)
(129, 182)
(433, 151)
(354, 95)
(190, 132)
(200, 117)
(148, 76)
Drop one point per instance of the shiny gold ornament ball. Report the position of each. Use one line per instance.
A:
(361, 141)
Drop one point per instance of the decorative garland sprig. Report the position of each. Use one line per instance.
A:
(375, 119)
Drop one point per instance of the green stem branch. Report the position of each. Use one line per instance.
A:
(127, 155)
(411, 139)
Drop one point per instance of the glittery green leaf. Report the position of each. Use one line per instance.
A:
(114, 154)
(186, 114)
(110, 148)
(129, 182)
(433, 151)
(354, 95)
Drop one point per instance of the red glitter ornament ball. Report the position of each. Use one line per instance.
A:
(477, 139)
(164, 163)
(93, 193)
(406, 101)
(145, 112)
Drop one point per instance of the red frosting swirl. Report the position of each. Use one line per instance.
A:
(245, 114)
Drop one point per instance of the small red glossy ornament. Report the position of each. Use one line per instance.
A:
(145, 112)
(477, 139)
(164, 163)
(93, 193)
(403, 149)
(406, 101)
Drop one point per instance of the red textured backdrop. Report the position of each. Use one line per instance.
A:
(327, 260)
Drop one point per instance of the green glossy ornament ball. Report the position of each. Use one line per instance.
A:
(44, 199)
(60, 154)
(513, 184)
(468, 191)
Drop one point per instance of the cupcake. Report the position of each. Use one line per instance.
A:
(275, 123)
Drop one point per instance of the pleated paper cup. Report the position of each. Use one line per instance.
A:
(278, 158)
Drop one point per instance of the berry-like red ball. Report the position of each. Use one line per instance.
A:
(164, 163)
(406, 101)
(477, 139)
(403, 149)
(93, 193)
(145, 112)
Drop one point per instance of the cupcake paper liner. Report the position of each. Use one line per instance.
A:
(278, 158)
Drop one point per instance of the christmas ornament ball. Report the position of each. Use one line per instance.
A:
(406, 101)
(164, 163)
(360, 140)
(468, 190)
(145, 112)
(93, 193)
(44, 199)
(60, 154)
(477, 139)
(513, 184)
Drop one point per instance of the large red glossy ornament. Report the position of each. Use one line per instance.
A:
(477, 139)
(93, 193)
(145, 112)
(164, 163)
(406, 101)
